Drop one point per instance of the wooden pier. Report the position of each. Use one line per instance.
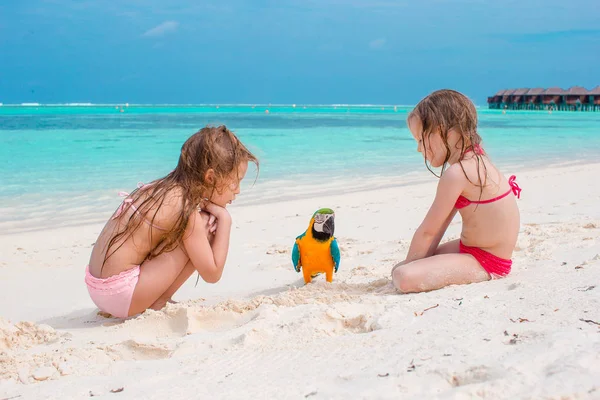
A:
(576, 98)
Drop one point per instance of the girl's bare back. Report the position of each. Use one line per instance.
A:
(132, 250)
(494, 226)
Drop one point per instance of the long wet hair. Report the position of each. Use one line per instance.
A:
(442, 111)
(215, 148)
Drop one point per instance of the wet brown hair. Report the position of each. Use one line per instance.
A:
(442, 111)
(215, 148)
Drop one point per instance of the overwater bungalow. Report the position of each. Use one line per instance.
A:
(533, 99)
(595, 98)
(576, 98)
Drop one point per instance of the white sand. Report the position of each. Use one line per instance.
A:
(260, 333)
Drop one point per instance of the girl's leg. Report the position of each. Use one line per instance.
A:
(185, 274)
(450, 247)
(446, 248)
(157, 276)
(438, 271)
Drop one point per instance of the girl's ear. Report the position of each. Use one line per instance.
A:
(209, 176)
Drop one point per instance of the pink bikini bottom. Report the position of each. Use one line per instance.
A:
(495, 266)
(113, 294)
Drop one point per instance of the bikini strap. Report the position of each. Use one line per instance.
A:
(462, 201)
(477, 149)
(512, 181)
(125, 203)
(128, 201)
(125, 194)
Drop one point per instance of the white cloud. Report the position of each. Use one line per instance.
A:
(377, 43)
(162, 29)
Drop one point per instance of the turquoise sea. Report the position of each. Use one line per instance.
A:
(64, 164)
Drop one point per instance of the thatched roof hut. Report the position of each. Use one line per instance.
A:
(552, 95)
(577, 94)
(533, 95)
(577, 91)
(506, 95)
(554, 91)
(518, 94)
(535, 92)
(595, 91)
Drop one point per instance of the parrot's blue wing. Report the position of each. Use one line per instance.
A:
(296, 257)
(335, 253)
(296, 253)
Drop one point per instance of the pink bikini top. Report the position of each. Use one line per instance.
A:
(463, 202)
(128, 202)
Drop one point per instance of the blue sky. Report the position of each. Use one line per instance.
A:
(291, 51)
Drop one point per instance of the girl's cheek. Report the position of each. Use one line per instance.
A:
(429, 154)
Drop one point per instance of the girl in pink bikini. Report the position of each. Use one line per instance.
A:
(165, 231)
(444, 124)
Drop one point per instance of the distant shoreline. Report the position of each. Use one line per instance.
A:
(242, 107)
(125, 104)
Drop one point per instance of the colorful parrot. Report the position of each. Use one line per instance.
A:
(316, 250)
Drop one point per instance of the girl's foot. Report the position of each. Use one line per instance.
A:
(161, 303)
(104, 314)
(158, 304)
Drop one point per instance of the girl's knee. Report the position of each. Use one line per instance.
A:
(406, 280)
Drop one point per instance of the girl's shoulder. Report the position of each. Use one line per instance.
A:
(456, 173)
(479, 172)
(165, 205)
(475, 167)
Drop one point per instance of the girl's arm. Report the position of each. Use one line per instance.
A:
(438, 238)
(208, 255)
(429, 234)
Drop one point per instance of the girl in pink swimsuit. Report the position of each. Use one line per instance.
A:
(444, 124)
(165, 231)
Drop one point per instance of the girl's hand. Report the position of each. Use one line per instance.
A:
(209, 223)
(208, 251)
(219, 212)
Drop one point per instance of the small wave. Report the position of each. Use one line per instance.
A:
(74, 105)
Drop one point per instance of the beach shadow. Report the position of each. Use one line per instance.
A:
(80, 319)
(93, 318)
(280, 289)
(378, 287)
